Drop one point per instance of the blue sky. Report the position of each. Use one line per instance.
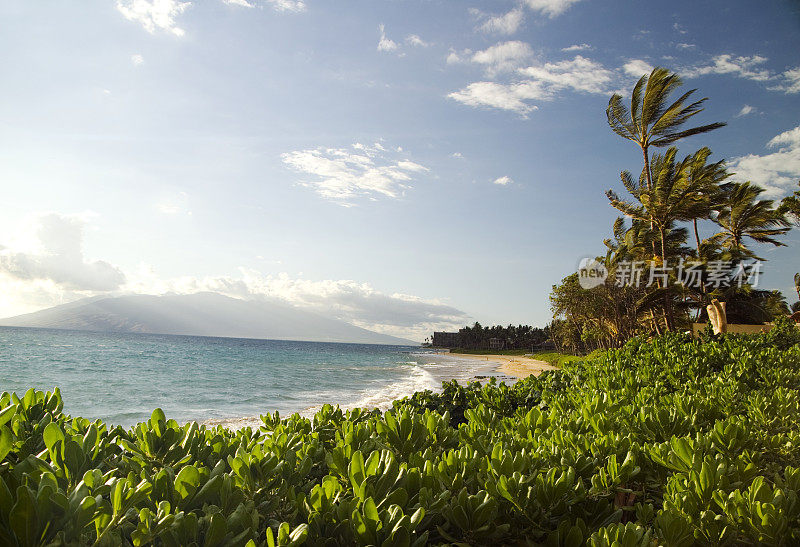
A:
(403, 165)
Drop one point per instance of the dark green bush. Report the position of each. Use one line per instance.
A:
(671, 442)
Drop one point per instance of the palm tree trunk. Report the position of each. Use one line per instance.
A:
(696, 237)
(668, 316)
(647, 169)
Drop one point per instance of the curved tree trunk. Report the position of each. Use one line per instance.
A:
(696, 237)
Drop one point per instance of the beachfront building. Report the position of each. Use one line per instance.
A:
(497, 343)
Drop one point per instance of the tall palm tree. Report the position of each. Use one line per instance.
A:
(651, 121)
(744, 215)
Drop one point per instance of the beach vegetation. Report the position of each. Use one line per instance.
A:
(673, 441)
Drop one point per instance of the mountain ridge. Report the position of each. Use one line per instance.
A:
(199, 314)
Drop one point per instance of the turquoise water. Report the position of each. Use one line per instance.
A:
(121, 378)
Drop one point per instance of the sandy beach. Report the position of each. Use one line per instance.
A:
(513, 365)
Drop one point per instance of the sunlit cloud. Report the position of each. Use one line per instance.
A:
(154, 14)
(59, 258)
(777, 171)
(507, 23)
(551, 8)
(343, 174)
(385, 44)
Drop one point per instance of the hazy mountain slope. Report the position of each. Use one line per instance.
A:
(201, 314)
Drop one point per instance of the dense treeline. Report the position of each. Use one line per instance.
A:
(671, 442)
(510, 337)
(662, 271)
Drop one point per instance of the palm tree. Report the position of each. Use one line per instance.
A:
(706, 180)
(744, 215)
(650, 121)
(671, 197)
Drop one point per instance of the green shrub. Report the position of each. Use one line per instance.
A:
(674, 441)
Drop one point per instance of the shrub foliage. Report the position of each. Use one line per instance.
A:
(670, 442)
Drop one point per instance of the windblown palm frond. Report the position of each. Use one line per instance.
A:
(651, 120)
(744, 215)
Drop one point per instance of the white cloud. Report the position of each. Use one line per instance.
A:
(503, 181)
(416, 41)
(455, 57)
(778, 171)
(679, 28)
(154, 14)
(551, 8)
(457, 155)
(137, 60)
(385, 44)
(789, 81)
(684, 46)
(341, 174)
(579, 74)
(295, 6)
(59, 261)
(746, 109)
(504, 56)
(539, 82)
(507, 23)
(637, 68)
(743, 67)
(495, 95)
(577, 47)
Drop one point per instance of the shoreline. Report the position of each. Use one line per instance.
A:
(508, 367)
(517, 366)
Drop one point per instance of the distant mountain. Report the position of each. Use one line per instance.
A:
(200, 314)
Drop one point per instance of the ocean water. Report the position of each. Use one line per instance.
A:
(121, 378)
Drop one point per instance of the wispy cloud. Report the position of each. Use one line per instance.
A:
(507, 24)
(137, 59)
(503, 181)
(295, 6)
(416, 41)
(504, 56)
(154, 14)
(577, 47)
(551, 8)
(385, 43)
(343, 174)
(538, 82)
(789, 81)
(746, 109)
(748, 67)
(778, 171)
